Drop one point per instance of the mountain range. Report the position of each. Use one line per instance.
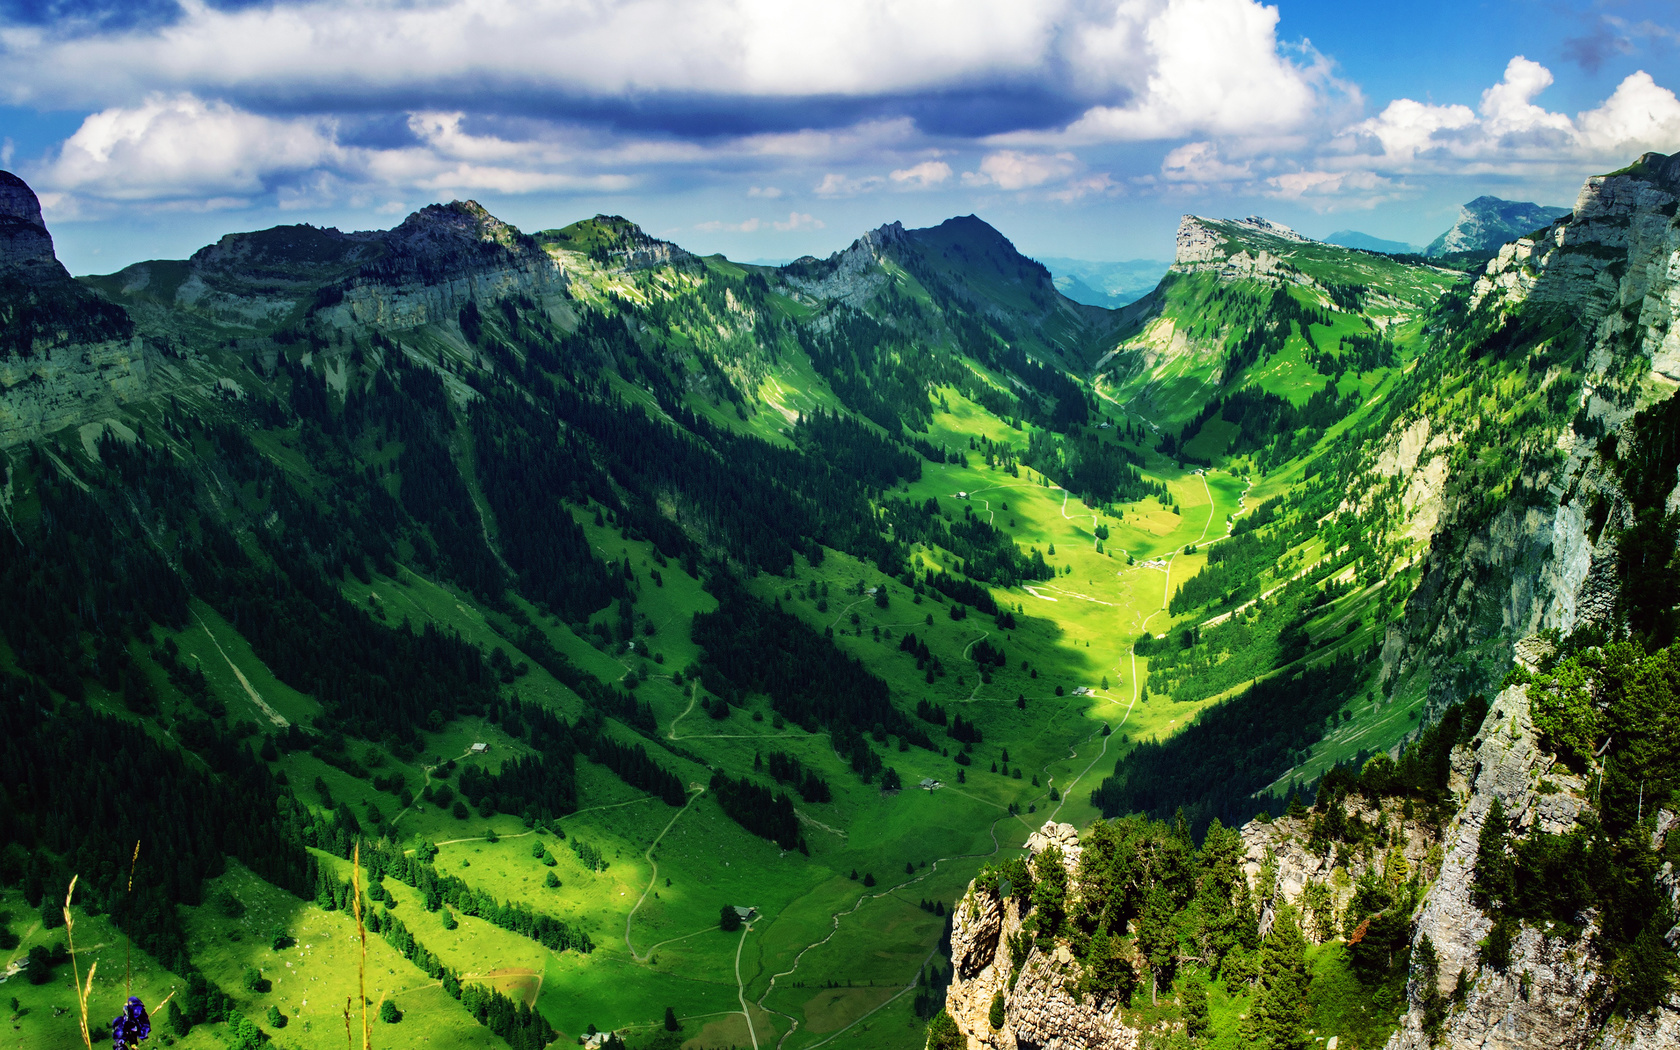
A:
(888, 649)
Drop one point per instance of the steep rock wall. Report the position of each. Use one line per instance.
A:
(1041, 1012)
(1539, 563)
(1545, 998)
(68, 355)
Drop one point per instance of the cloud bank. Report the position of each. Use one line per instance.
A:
(289, 103)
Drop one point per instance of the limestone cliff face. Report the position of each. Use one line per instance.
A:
(26, 247)
(1615, 260)
(438, 259)
(1612, 267)
(1204, 245)
(70, 384)
(1040, 1010)
(1280, 864)
(66, 355)
(1545, 999)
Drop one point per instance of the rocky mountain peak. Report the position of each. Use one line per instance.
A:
(1488, 222)
(1235, 247)
(18, 201)
(25, 244)
(617, 241)
(1659, 168)
(1275, 229)
(458, 221)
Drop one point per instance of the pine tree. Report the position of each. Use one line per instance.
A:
(1196, 1017)
(1495, 874)
(1157, 938)
(1278, 1019)
(943, 1033)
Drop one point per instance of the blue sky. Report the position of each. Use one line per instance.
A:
(774, 128)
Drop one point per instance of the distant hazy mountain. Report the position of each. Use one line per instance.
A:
(1110, 284)
(1366, 242)
(1487, 222)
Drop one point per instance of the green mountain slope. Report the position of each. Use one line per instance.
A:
(720, 563)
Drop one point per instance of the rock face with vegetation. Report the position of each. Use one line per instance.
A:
(994, 955)
(1553, 923)
(1580, 316)
(1491, 888)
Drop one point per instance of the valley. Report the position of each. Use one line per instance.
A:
(588, 590)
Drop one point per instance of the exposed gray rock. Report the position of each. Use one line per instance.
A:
(1544, 999)
(1041, 1012)
(25, 245)
(1204, 245)
(855, 275)
(74, 357)
(1544, 563)
(1488, 222)
(68, 385)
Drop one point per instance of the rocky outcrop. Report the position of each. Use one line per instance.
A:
(853, 276)
(1043, 1011)
(1417, 456)
(26, 248)
(1280, 862)
(66, 354)
(1544, 999)
(1488, 222)
(1234, 248)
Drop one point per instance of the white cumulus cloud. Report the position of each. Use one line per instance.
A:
(1200, 163)
(1017, 170)
(1511, 132)
(180, 145)
(1189, 67)
(927, 173)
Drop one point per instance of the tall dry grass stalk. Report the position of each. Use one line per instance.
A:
(82, 990)
(361, 930)
(85, 988)
(128, 942)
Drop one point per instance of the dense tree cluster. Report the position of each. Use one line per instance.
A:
(1612, 712)
(383, 858)
(751, 647)
(787, 769)
(67, 770)
(767, 814)
(985, 552)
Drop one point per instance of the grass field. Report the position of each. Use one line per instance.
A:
(827, 957)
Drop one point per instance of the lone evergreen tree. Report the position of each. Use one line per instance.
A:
(1279, 1016)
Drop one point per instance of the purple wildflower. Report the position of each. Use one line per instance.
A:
(131, 1027)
